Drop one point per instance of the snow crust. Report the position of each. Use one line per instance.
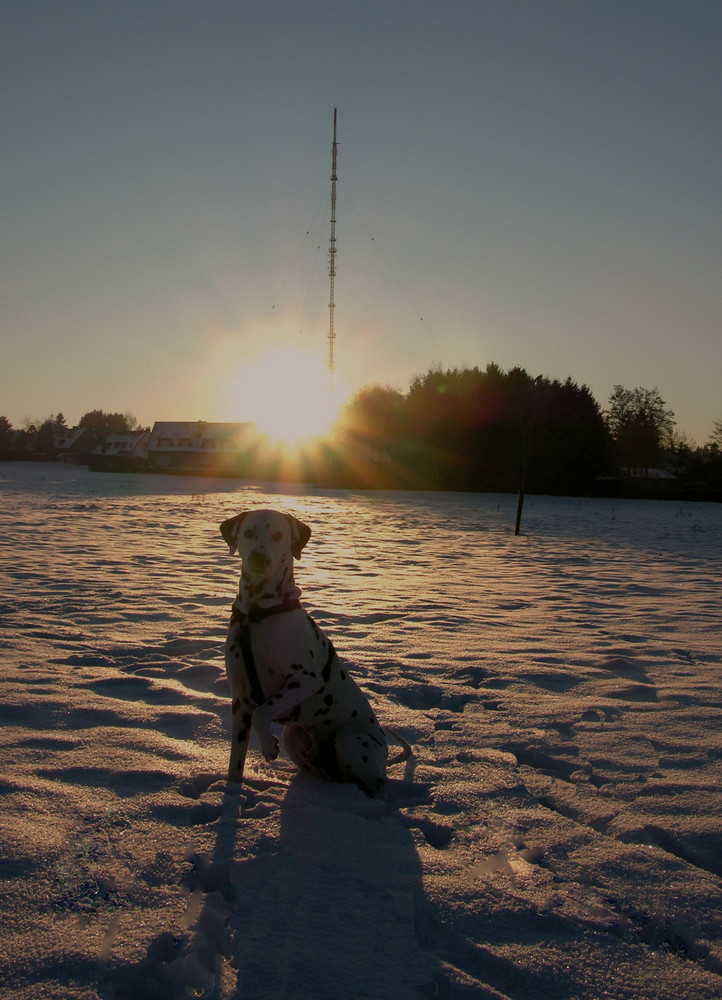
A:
(557, 833)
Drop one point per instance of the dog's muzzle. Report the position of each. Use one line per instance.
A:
(258, 562)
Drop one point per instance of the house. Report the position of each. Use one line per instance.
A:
(121, 452)
(197, 446)
(74, 444)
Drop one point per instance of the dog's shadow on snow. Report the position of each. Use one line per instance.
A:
(324, 903)
(323, 899)
(329, 908)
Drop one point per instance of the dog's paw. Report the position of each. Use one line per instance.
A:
(270, 748)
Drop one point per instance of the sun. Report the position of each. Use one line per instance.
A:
(286, 393)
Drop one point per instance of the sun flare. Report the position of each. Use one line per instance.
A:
(286, 393)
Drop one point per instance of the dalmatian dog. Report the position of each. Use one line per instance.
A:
(282, 668)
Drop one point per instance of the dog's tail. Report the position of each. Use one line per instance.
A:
(405, 752)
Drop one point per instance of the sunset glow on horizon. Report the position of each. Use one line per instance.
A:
(286, 393)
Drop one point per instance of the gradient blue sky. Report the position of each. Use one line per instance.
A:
(529, 183)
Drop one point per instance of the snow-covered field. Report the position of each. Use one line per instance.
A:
(556, 835)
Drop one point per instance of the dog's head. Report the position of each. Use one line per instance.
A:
(265, 539)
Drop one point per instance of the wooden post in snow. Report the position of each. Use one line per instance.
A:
(525, 435)
(519, 508)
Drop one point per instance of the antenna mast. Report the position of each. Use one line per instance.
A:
(332, 256)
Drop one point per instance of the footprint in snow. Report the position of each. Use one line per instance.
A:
(437, 835)
(625, 668)
(426, 696)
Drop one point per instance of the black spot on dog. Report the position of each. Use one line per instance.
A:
(343, 675)
(354, 714)
(242, 735)
(246, 720)
(329, 699)
(235, 706)
(293, 684)
(365, 759)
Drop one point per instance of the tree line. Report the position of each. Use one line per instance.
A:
(495, 430)
(473, 429)
(42, 436)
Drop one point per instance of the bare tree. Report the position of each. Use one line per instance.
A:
(715, 438)
(640, 424)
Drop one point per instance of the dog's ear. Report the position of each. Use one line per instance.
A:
(300, 534)
(231, 529)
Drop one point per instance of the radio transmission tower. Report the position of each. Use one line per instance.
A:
(332, 256)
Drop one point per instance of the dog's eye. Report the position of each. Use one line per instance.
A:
(248, 533)
(277, 536)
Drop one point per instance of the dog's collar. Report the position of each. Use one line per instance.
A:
(256, 613)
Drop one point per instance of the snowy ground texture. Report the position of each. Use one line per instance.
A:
(556, 835)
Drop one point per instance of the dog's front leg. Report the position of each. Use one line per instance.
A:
(241, 719)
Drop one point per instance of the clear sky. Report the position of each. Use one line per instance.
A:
(528, 183)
